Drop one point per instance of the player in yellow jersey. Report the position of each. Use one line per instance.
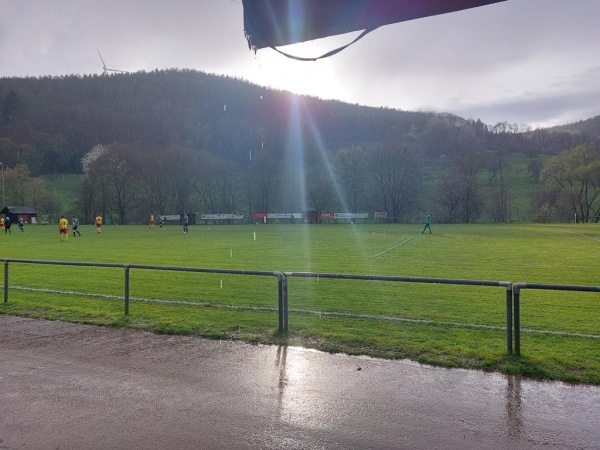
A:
(151, 221)
(99, 223)
(63, 229)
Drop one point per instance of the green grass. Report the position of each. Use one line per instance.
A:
(445, 325)
(65, 187)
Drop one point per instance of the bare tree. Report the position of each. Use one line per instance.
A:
(319, 188)
(154, 179)
(264, 181)
(206, 182)
(219, 184)
(499, 169)
(18, 184)
(23, 189)
(577, 172)
(181, 169)
(449, 195)
(94, 193)
(397, 175)
(111, 170)
(86, 200)
(351, 168)
(467, 167)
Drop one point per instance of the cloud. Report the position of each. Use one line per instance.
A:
(532, 61)
(566, 100)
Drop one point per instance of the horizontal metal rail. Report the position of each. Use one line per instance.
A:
(505, 284)
(282, 283)
(549, 287)
(62, 263)
(141, 266)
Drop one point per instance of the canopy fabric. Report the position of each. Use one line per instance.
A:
(273, 23)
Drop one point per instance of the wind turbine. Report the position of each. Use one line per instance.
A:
(106, 69)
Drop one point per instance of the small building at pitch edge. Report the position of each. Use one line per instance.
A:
(29, 215)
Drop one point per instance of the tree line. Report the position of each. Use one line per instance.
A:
(125, 184)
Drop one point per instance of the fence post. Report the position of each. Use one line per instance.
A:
(517, 313)
(283, 309)
(509, 319)
(280, 298)
(6, 281)
(285, 303)
(126, 289)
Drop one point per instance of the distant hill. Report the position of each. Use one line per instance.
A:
(588, 127)
(49, 123)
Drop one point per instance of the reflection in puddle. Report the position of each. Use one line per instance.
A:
(280, 364)
(294, 403)
(514, 406)
(300, 400)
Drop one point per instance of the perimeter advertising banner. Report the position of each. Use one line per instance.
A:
(350, 215)
(222, 216)
(309, 215)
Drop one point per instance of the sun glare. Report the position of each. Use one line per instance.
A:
(315, 78)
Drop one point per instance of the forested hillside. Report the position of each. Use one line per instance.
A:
(182, 140)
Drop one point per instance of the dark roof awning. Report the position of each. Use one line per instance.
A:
(19, 210)
(273, 23)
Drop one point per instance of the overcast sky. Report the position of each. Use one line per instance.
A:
(520, 61)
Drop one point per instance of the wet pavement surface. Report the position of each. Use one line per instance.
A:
(83, 387)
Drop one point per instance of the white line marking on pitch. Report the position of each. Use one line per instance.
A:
(308, 312)
(395, 246)
(582, 235)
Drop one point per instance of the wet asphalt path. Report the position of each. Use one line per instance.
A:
(65, 386)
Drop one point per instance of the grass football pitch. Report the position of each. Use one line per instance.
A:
(446, 325)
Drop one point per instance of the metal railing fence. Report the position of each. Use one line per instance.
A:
(548, 287)
(127, 267)
(513, 290)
